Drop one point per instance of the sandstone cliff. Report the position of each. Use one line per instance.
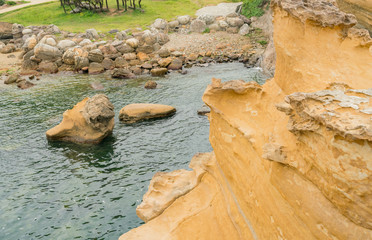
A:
(292, 158)
(362, 9)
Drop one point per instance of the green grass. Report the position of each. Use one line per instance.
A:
(253, 8)
(10, 3)
(52, 13)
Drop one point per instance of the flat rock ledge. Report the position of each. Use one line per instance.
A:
(142, 111)
(89, 121)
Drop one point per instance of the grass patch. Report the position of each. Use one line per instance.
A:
(262, 42)
(253, 8)
(207, 30)
(52, 13)
(10, 3)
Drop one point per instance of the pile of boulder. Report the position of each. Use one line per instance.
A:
(232, 23)
(47, 49)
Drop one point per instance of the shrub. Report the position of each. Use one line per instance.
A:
(2, 2)
(253, 8)
(10, 3)
(207, 30)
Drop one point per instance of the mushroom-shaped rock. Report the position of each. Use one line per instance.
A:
(89, 121)
(142, 111)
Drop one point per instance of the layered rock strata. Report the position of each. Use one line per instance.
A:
(89, 121)
(292, 158)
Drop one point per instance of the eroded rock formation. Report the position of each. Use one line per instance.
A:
(292, 158)
(142, 111)
(89, 121)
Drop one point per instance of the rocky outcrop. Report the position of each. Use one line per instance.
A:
(142, 111)
(89, 121)
(292, 158)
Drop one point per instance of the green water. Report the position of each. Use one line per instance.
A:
(66, 191)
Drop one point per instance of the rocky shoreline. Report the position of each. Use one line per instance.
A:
(47, 49)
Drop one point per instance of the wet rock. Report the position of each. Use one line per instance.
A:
(120, 63)
(150, 84)
(48, 67)
(122, 73)
(97, 86)
(89, 121)
(95, 68)
(81, 62)
(159, 72)
(95, 55)
(12, 78)
(107, 63)
(176, 64)
(197, 26)
(25, 84)
(204, 110)
(142, 111)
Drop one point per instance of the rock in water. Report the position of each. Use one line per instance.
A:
(89, 121)
(142, 111)
(150, 84)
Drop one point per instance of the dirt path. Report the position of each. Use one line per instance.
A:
(32, 2)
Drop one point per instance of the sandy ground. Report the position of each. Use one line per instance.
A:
(7, 62)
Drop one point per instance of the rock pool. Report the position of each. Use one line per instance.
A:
(67, 191)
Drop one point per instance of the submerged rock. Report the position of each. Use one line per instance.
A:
(150, 84)
(159, 72)
(89, 121)
(142, 111)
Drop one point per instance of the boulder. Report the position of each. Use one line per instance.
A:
(132, 42)
(235, 22)
(89, 121)
(197, 26)
(24, 84)
(29, 65)
(92, 34)
(223, 24)
(164, 52)
(120, 62)
(146, 48)
(164, 62)
(215, 27)
(122, 73)
(85, 42)
(160, 24)
(95, 55)
(121, 35)
(81, 62)
(69, 56)
(47, 52)
(6, 30)
(130, 56)
(124, 48)
(162, 38)
(12, 78)
(232, 30)
(9, 48)
(143, 111)
(17, 30)
(173, 24)
(30, 43)
(183, 20)
(143, 56)
(26, 31)
(65, 44)
(150, 84)
(208, 19)
(149, 38)
(95, 68)
(47, 67)
(176, 64)
(204, 110)
(244, 30)
(159, 72)
(107, 64)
